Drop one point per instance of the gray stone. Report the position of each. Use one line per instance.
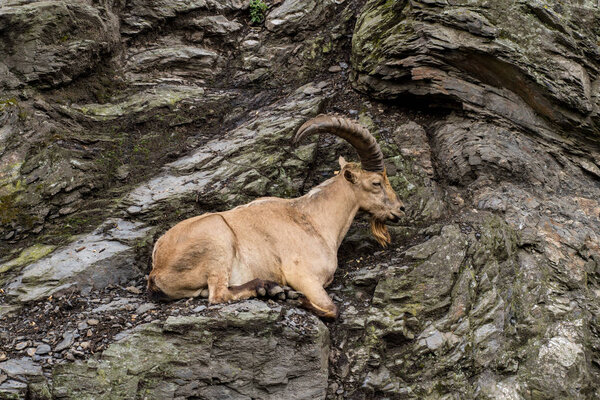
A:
(138, 103)
(82, 326)
(262, 360)
(20, 369)
(119, 304)
(242, 148)
(145, 308)
(82, 264)
(435, 341)
(68, 339)
(13, 389)
(139, 15)
(296, 15)
(199, 309)
(182, 59)
(84, 32)
(43, 349)
(217, 25)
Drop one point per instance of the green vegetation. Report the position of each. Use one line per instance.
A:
(12, 102)
(27, 256)
(5, 103)
(258, 8)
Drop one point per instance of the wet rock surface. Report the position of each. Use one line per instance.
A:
(118, 120)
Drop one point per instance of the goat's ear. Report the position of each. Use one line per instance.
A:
(342, 162)
(350, 176)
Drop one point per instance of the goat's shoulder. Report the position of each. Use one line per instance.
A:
(262, 201)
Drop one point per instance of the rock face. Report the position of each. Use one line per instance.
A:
(52, 42)
(544, 73)
(245, 350)
(119, 119)
(522, 142)
(96, 260)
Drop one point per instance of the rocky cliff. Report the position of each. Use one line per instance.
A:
(120, 118)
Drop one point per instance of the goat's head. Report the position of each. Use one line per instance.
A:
(369, 182)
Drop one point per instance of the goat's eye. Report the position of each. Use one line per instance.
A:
(376, 183)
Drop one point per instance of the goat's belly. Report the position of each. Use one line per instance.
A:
(237, 277)
(241, 274)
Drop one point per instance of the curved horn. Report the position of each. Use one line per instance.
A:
(358, 136)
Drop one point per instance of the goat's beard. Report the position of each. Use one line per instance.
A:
(380, 232)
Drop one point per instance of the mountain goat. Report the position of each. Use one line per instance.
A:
(239, 253)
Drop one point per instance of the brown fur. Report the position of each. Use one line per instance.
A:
(237, 253)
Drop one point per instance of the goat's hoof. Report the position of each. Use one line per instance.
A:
(276, 290)
(292, 294)
(261, 291)
(204, 293)
(281, 296)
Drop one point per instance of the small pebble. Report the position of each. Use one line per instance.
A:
(3, 356)
(77, 353)
(21, 346)
(82, 326)
(92, 322)
(310, 90)
(133, 289)
(199, 308)
(67, 341)
(335, 68)
(145, 308)
(43, 349)
(85, 345)
(31, 351)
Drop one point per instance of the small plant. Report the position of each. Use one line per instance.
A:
(258, 8)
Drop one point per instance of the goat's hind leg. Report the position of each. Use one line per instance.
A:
(218, 292)
(254, 288)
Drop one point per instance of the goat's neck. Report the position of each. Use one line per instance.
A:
(332, 207)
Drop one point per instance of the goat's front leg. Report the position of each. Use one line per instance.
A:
(316, 298)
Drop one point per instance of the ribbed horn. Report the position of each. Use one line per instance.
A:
(358, 136)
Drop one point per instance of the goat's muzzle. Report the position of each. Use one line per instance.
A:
(396, 215)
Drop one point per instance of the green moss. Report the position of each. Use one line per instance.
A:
(13, 103)
(7, 103)
(9, 396)
(11, 210)
(27, 256)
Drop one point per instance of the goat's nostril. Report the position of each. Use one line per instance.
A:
(402, 208)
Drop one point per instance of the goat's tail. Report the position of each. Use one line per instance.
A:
(154, 291)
